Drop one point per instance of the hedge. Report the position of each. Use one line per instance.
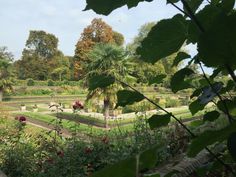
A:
(94, 121)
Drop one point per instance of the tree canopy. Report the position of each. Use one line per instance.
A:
(145, 71)
(97, 32)
(6, 71)
(40, 57)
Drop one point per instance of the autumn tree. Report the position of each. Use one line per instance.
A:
(118, 38)
(97, 32)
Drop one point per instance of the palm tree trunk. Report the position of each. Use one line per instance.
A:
(1, 94)
(106, 111)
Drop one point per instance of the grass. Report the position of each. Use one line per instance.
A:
(94, 121)
(6, 108)
(36, 99)
(81, 128)
(183, 114)
(65, 123)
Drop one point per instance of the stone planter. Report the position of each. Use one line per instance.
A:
(119, 111)
(35, 109)
(23, 108)
(113, 113)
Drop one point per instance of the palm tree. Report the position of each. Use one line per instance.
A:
(107, 59)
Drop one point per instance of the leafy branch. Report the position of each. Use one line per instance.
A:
(193, 17)
(183, 125)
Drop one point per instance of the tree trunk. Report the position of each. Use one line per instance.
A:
(106, 111)
(1, 94)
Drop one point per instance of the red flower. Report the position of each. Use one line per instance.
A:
(74, 107)
(22, 118)
(78, 105)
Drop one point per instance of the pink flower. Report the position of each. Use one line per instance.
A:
(78, 105)
(22, 118)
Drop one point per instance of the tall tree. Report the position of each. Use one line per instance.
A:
(118, 38)
(42, 44)
(109, 60)
(39, 57)
(97, 32)
(60, 67)
(6, 58)
(144, 71)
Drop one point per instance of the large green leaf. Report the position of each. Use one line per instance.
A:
(157, 121)
(164, 39)
(229, 87)
(232, 145)
(157, 79)
(178, 81)
(211, 116)
(173, 1)
(217, 46)
(127, 97)
(127, 168)
(205, 17)
(180, 56)
(227, 5)
(100, 81)
(208, 138)
(230, 104)
(105, 7)
(148, 158)
(196, 93)
(194, 4)
(195, 106)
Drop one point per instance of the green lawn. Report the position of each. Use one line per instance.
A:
(65, 123)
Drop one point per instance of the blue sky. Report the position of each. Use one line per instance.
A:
(66, 20)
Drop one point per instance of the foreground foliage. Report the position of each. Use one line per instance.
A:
(211, 28)
(25, 153)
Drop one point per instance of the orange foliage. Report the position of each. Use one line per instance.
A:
(97, 32)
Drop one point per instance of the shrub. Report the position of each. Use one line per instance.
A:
(51, 82)
(161, 102)
(172, 102)
(30, 82)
